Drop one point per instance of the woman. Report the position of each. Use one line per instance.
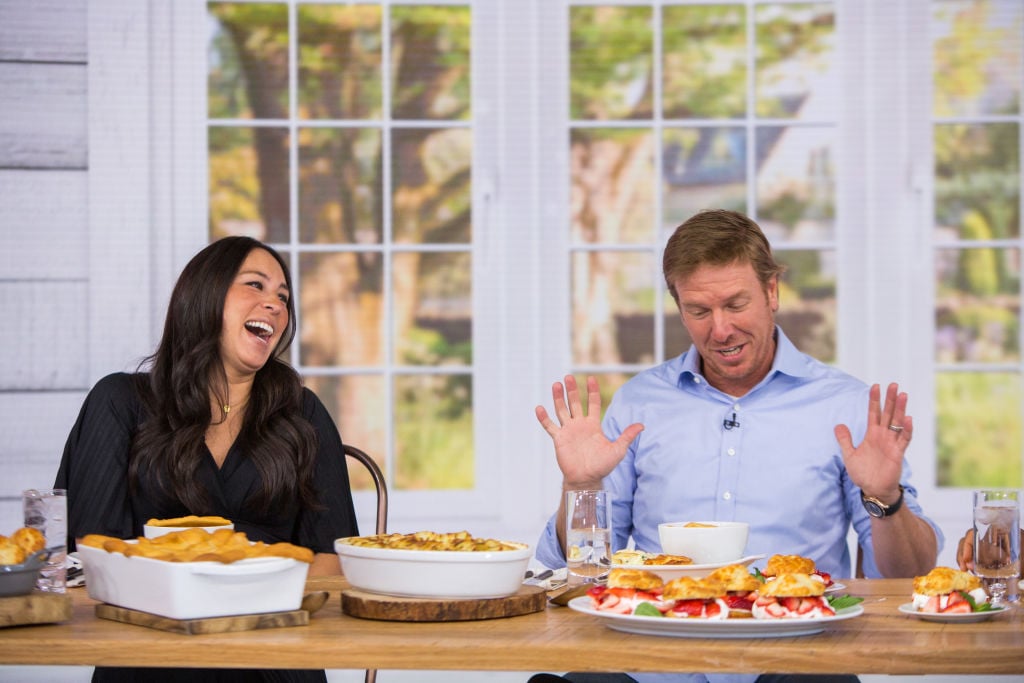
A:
(219, 424)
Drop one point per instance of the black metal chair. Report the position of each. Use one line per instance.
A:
(382, 506)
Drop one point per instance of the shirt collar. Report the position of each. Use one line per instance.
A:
(788, 361)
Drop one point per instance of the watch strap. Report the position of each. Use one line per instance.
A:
(872, 504)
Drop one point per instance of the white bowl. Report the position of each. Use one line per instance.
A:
(155, 531)
(434, 573)
(715, 542)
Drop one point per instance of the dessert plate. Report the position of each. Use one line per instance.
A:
(673, 571)
(965, 618)
(714, 628)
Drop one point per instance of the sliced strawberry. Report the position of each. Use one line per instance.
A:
(932, 605)
(806, 606)
(712, 610)
(962, 607)
(826, 577)
(955, 597)
(791, 604)
(741, 602)
(689, 608)
(775, 610)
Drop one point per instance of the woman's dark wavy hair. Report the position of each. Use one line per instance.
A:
(186, 369)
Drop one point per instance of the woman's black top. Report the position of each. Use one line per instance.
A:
(94, 470)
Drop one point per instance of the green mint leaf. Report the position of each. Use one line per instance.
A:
(758, 575)
(646, 609)
(975, 607)
(838, 602)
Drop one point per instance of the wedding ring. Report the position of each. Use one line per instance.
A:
(896, 428)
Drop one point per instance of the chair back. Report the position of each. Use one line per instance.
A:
(378, 482)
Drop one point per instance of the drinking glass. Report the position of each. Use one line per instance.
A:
(588, 524)
(46, 510)
(997, 543)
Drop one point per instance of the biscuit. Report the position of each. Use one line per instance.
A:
(788, 564)
(663, 559)
(634, 578)
(689, 588)
(793, 586)
(10, 552)
(943, 580)
(190, 520)
(735, 577)
(31, 540)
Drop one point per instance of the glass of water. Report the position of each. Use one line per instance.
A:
(997, 543)
(47, 510)
(588, 536)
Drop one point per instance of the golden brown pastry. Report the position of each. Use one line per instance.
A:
(11, 552)
(634, 578)
(689, 588)
(793, 586)
(788, 564)
(665, 560)
(198, 545)
(31, 540)
(190, 520)
(942, 580)
(735, 577)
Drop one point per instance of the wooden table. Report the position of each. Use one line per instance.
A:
(882, 641)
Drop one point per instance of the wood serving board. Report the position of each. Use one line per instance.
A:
(241, 622)
(357, 603)
(34, 608)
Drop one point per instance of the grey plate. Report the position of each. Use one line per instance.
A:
(19, 579)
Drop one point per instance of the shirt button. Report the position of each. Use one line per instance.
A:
(731, 451)
(696, 380)
(736, 407)
(727, 495)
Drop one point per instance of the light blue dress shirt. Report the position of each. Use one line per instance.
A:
(780, 468)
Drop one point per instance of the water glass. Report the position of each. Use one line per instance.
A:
(588, 525)
(997, 543)
(47, 510)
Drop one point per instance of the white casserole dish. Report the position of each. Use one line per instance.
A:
(434, 573)
(194, 590)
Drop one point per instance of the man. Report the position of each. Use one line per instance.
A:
(744, 427)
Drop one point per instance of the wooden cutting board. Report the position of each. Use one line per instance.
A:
(34, 608)
(242, 622)
(357, 603)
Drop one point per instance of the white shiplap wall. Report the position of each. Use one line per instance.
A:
(44, 283)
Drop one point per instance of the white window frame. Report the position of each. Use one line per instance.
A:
(148, 216)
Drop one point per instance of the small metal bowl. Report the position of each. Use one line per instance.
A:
(19, 579)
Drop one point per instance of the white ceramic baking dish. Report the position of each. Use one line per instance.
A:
(194, 590)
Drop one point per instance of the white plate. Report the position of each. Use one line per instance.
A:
(713, 628)
(835, 588)
(968, 618)
(673, 571)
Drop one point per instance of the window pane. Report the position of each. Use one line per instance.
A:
(610, 63)
(977, 181)
(807, 295)
(705, 61)
(433, 295)
(612, 185)
(795, 61)
(703, 168)
(434, 432)
(431, 176)
(430, 49)
(340, 61)
(613, 307)
(976, 47)
(340, 185)
(357, 403)
(249, 182)
(796, 183)
(248, 61)
(979, 429)
(977, 305)
(341, 311)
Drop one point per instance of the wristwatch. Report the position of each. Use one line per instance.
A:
(877, 508)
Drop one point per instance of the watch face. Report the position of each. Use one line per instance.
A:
(874, 509)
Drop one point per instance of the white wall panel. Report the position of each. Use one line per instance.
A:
(50, 320)
(43, 225)
(42, 115)
(43, 30)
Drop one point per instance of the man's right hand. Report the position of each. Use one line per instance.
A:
(584, 454)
